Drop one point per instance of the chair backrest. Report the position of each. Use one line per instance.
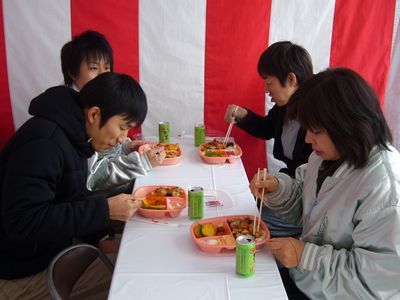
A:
(67, 266)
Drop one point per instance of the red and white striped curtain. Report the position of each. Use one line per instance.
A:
(193, 58)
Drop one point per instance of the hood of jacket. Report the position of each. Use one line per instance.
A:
(60, 105)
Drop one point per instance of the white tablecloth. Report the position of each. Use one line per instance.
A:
(160, 261)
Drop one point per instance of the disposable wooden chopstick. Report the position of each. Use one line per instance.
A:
(228, 133)
(255, 215)
(262, 200)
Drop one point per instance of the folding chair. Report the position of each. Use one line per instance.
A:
(67, 267)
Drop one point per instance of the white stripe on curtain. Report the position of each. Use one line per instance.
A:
(307, 23)
(171, 63)
(392, 96)
(34, 33)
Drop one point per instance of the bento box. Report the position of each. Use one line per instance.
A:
(214, 235)
(215, 152)
(161, 201)
(173, 152)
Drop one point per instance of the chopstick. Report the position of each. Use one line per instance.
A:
(262, 200)
(255, 215)
(229, 128)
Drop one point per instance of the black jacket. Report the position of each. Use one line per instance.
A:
(271, 126)
(43, 170)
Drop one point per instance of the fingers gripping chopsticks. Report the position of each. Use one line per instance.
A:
(260, 175)
(228, 133)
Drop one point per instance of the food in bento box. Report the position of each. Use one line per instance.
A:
(173, 153)
(230, 240)
(171, 150)
(174, 191)
(161, 201)
(214, 242)
(215, 144)
(216, 234)
(243, 226)
(215, 153)
(157, 199)
(197, 231)
(168, 191)
(154, 202)
(208, 229)
(212, 153)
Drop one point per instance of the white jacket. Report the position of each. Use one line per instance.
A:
(351, 228)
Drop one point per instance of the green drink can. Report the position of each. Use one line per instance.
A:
(245, 255)
(163, 132)
(196, 202)
(199, 134)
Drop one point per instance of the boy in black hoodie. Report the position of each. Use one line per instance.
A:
(44, 202)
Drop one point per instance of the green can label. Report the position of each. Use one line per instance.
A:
(163, 132)
(196, 202)
(199, 134)
(245, 255)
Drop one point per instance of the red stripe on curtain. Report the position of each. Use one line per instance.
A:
(361, 39)
(6, 116)
(119, 23)
(236, 35)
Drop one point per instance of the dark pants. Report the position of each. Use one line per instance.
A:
(278, 227)
(291, 289)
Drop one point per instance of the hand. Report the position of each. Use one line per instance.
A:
(287, 250)
(134, 145)
(234, 112)
(156, 156)
(270, 184)
(123, 206)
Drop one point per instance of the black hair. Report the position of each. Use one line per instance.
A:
(89, 45)
(282, 58)
(344, 105)
(115, 94)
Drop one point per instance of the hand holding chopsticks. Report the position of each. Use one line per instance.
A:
(263, 178)
(121, 207)
(262, 199)
(230, 128)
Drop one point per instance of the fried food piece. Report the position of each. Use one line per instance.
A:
(168, 191)
(155, 202)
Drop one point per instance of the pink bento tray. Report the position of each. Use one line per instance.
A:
(227, 229)
(168, 160)
(175, 203)
(230, 155)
